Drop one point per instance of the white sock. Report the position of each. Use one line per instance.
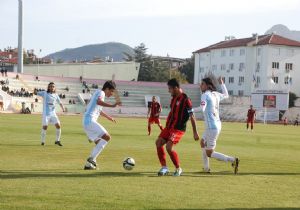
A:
(98, 149)
(58, 134)
(222, 157)
(205, 159)
(43, 135)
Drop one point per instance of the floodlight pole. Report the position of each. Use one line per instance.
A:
(20, 38)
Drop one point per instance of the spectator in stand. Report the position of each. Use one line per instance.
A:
(17, 76)
(73, 101)
(5, 72)
(2, 72)
(32, 107)
(36, 100)
(296, 120)
(70, 101)
(80, 79)
(67, 89)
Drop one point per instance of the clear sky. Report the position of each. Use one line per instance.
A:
(176, 27)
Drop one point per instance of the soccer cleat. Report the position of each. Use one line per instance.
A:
(58, 143)
(163, 171)
(90, 164)
(206, 170)
(43, 143)
(235, 165)
(178, 172)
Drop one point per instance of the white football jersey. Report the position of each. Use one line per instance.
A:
(93, 110)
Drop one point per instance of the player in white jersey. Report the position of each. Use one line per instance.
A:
(95, 132)
(50, 98)
(210, 100)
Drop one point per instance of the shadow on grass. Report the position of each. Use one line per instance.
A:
(55, 173)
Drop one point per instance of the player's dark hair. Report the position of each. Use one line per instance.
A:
(173, 83)
(111, 85)
(48, 88)
(210, 85)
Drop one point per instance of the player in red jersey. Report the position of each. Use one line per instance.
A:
(250, 117)
(181, 111)
(154, 109)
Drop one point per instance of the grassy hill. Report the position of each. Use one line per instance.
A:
(88, 52)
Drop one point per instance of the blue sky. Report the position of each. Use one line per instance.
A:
(175, 27)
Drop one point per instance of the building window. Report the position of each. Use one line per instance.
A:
(223, 67)
(241, 80)
(241, 92)
(242, 66)
(231, 80)
(201, 69)
(223, 53)
(214, 67)
(242, 52)
(231, 66)
(288, 66)
(258, 51)
(275, 79)
(275, 65)
(231, 52)
(287, 80)
(257, 67)
(230, 92)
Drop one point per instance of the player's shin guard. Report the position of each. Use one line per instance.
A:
(161, 155)
(43, 136)
(205, 160)
(98, 149)
(222, 157)
(174, 158)
(58, 134)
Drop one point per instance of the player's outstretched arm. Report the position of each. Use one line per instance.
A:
(224, 89)
(193, 122)
(102, 103)
(107, 117)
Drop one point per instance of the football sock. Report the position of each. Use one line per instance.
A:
(161, 156)
(175, 159)
(58, 134)
(149, 129)
(43, 135)
(98, 149)
(247, 125)
(222, 157)
(205, 159)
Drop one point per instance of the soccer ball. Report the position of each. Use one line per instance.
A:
(128, 163)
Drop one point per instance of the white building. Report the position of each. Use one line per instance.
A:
(252, 64)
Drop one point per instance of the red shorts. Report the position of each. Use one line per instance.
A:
(171, 135)
(250, 120)
(154, 120)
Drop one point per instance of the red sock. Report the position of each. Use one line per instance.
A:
(174, 158)
(161, 155)
(149, 129)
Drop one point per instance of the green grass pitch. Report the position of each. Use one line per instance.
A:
(51, 177)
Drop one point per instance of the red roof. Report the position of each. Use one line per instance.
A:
(262, 40)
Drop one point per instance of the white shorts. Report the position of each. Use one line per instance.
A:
(94, 131)
(52, 119)
(210, 137)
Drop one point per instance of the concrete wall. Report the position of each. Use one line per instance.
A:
(125, 71)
